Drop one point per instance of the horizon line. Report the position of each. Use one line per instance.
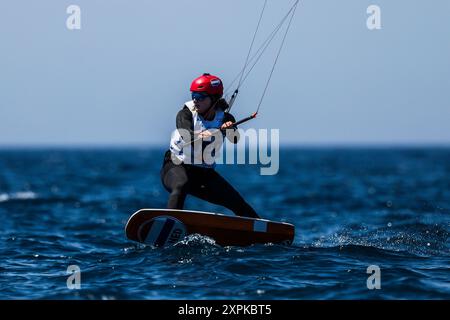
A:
(41, 146)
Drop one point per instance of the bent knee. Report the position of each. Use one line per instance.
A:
(179, 188)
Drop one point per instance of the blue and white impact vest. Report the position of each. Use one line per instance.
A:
(192, 154)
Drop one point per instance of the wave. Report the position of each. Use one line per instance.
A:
(196, 240)
(416, 238)
(23, 195)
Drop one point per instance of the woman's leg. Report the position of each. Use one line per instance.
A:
(175, 180)
(215, 189)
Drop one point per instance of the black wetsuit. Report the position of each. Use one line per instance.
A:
(204, 183)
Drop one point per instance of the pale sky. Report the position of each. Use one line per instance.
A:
(122, 78)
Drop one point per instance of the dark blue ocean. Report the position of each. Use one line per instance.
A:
(352, 208)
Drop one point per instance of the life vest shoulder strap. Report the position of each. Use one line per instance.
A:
(191, 106)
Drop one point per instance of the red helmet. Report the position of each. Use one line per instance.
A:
(210, 84)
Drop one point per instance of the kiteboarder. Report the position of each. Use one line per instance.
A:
(200, 119)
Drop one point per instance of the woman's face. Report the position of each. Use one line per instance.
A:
(202, 105)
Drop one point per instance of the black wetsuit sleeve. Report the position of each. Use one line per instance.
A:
(231, 133)
(184, 121)
(229, 117)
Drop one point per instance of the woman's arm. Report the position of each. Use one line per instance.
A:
(232, 133)
(184, 121)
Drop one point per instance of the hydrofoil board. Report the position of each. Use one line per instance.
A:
(161, 227)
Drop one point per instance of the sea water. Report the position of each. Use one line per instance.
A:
(354, 209)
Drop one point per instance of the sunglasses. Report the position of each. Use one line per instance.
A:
(199, 96)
